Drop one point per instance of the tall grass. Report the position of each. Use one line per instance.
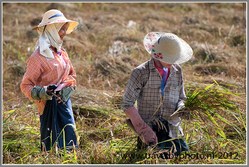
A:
(216, 126)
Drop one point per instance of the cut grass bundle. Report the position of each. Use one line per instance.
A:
(217, 124)
(212, 105)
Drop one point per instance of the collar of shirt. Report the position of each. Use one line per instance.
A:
(152, 66)
(161, 70)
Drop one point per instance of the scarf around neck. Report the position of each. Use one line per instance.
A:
(50, 37)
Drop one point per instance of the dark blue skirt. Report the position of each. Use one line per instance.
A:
(57, 126)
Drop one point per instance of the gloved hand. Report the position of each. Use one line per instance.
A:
(63, 92)
(146, 134)
(40, 93)
(66, 92)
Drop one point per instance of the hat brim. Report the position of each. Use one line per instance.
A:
(185, 52)
(72, 25)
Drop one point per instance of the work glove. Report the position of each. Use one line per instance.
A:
(144, 131)
(41, 93)
(65, 93)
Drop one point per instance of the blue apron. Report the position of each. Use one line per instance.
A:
(57, 125)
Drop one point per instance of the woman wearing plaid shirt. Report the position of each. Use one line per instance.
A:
(157, 86)
(49, 81)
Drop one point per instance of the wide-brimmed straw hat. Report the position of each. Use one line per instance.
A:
(167, 47)
(55, 16)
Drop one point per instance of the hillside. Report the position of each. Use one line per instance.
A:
(104, 49)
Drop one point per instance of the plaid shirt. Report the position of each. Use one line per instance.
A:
(41, 71)
(144, 87)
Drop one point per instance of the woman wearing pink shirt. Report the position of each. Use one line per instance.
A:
(49, 81)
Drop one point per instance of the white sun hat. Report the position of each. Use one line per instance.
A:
(167, 47)
(55, 16)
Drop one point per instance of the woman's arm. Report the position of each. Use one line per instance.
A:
(31, 76)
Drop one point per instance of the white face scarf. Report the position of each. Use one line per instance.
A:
(50, 37)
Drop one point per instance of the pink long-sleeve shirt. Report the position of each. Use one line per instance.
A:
(42, 71)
